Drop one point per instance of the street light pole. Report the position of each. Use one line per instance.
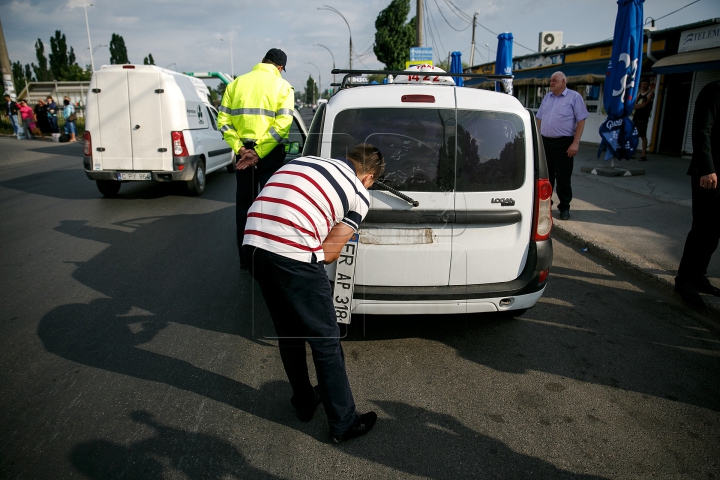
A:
(331, 54)
(488, 49)
(232, 66)
(172, 64)
(335, 10)
(87, 25)
(472, 47)
(319, 78)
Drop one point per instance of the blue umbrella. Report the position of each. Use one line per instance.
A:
(622, 81)
(503, 61)
(456, 67)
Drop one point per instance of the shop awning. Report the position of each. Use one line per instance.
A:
(587, 73)
(689, 62)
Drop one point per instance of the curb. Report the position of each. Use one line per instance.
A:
(665, 283)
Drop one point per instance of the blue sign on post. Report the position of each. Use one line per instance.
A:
(419, 54)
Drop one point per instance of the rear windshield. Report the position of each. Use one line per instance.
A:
(423, 155)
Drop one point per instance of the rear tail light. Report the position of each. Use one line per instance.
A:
(542, 220)
(178, 143)
(88, 144)
(543, 276)
(418, 98)
(128, 66)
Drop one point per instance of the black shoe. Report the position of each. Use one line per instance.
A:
(688, 293)
(565, 215)
(704, 286)
(367, 422)
(306, 414)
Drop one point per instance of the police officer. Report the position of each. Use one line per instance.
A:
(255, 118)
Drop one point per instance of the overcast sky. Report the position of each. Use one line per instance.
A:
(185, 35)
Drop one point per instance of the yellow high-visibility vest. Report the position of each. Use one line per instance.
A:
(257, 106)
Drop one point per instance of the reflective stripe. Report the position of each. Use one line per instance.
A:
(248, 111)
(246, 140)
(225, 128)
(285, 111)
(276, 136)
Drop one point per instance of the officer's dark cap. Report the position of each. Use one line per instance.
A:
(277, 56)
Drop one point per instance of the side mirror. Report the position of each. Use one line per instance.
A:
(292, 148)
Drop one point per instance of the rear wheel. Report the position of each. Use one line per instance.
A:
(109, 188)
(231, 166)
(196, 186)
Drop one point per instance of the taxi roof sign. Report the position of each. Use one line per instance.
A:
(423, 74)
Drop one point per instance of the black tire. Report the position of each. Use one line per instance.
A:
(109, 188)
(231, 168)
(196, 186)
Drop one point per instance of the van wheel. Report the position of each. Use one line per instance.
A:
(109, 188)
(196, 186)
(511, 313)
(231, 167)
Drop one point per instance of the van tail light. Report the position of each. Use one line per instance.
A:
(88, 144)
(542, 220)
(178, 143)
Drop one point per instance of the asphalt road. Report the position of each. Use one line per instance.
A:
(131, 346)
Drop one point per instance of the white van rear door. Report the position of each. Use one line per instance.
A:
(149, 146)
(402, 245)
(494, 192)
(113, 108)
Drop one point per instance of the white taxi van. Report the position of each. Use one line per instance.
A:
(460, 222)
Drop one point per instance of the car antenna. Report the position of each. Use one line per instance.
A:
(412, 202)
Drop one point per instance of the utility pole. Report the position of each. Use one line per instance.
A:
(472, 45)
(419, 24)
(5, 67)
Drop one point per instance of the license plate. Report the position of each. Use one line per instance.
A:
(134, 176)
(345, 280)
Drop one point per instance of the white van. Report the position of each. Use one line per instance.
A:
(472, 234)
(145, 123)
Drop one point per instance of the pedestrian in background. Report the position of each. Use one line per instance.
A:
(28, 119)
(52, 114)
(255, 118)
(41, 117)
(561, 120)
(702, 241)
(11, 109)
(301, 221)
(70, 117)
(641, 116)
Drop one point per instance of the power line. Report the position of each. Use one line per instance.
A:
(446, 20)
(460, 14)
(429, 15)
(650, 19)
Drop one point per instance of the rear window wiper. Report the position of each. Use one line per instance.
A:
(398, 194)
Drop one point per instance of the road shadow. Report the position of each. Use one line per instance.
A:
(195, 455)
(64, 149)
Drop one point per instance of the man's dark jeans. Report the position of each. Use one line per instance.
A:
(299, 299)
(249, 183)
(702, 241)
(560, 168)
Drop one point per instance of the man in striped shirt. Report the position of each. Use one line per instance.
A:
(301, 220)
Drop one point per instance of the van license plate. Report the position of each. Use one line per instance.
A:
(345, 280)
(133, 176)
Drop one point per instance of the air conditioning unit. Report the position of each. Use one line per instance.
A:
(550, 41)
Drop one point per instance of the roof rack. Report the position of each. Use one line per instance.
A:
(357, 73)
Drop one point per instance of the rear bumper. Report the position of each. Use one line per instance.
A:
(447, 299)
(185, 175)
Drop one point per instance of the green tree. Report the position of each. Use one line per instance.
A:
(59, 58)
(311, 91)
(149, 60)
(118, 52)
(42, 72)
(21, 76)
(394, 37)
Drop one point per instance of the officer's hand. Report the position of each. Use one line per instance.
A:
(248, 158)
(709, 181)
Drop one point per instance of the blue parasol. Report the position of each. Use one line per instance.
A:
(503, 61)
(456, 67)
(619, 137)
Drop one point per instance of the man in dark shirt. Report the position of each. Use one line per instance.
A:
(702, 241)
(12, 112)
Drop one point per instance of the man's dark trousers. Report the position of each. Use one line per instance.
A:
(249, 183)
(560, 168)
(299, 299)
(702, 241)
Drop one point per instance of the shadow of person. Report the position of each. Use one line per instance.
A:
(436, 445)
(105, 334)
(196, 455)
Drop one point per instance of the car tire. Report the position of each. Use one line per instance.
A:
(196, 186)
(108, 188)
(231, 167)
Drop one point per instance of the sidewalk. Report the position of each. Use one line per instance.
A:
(640, 222)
